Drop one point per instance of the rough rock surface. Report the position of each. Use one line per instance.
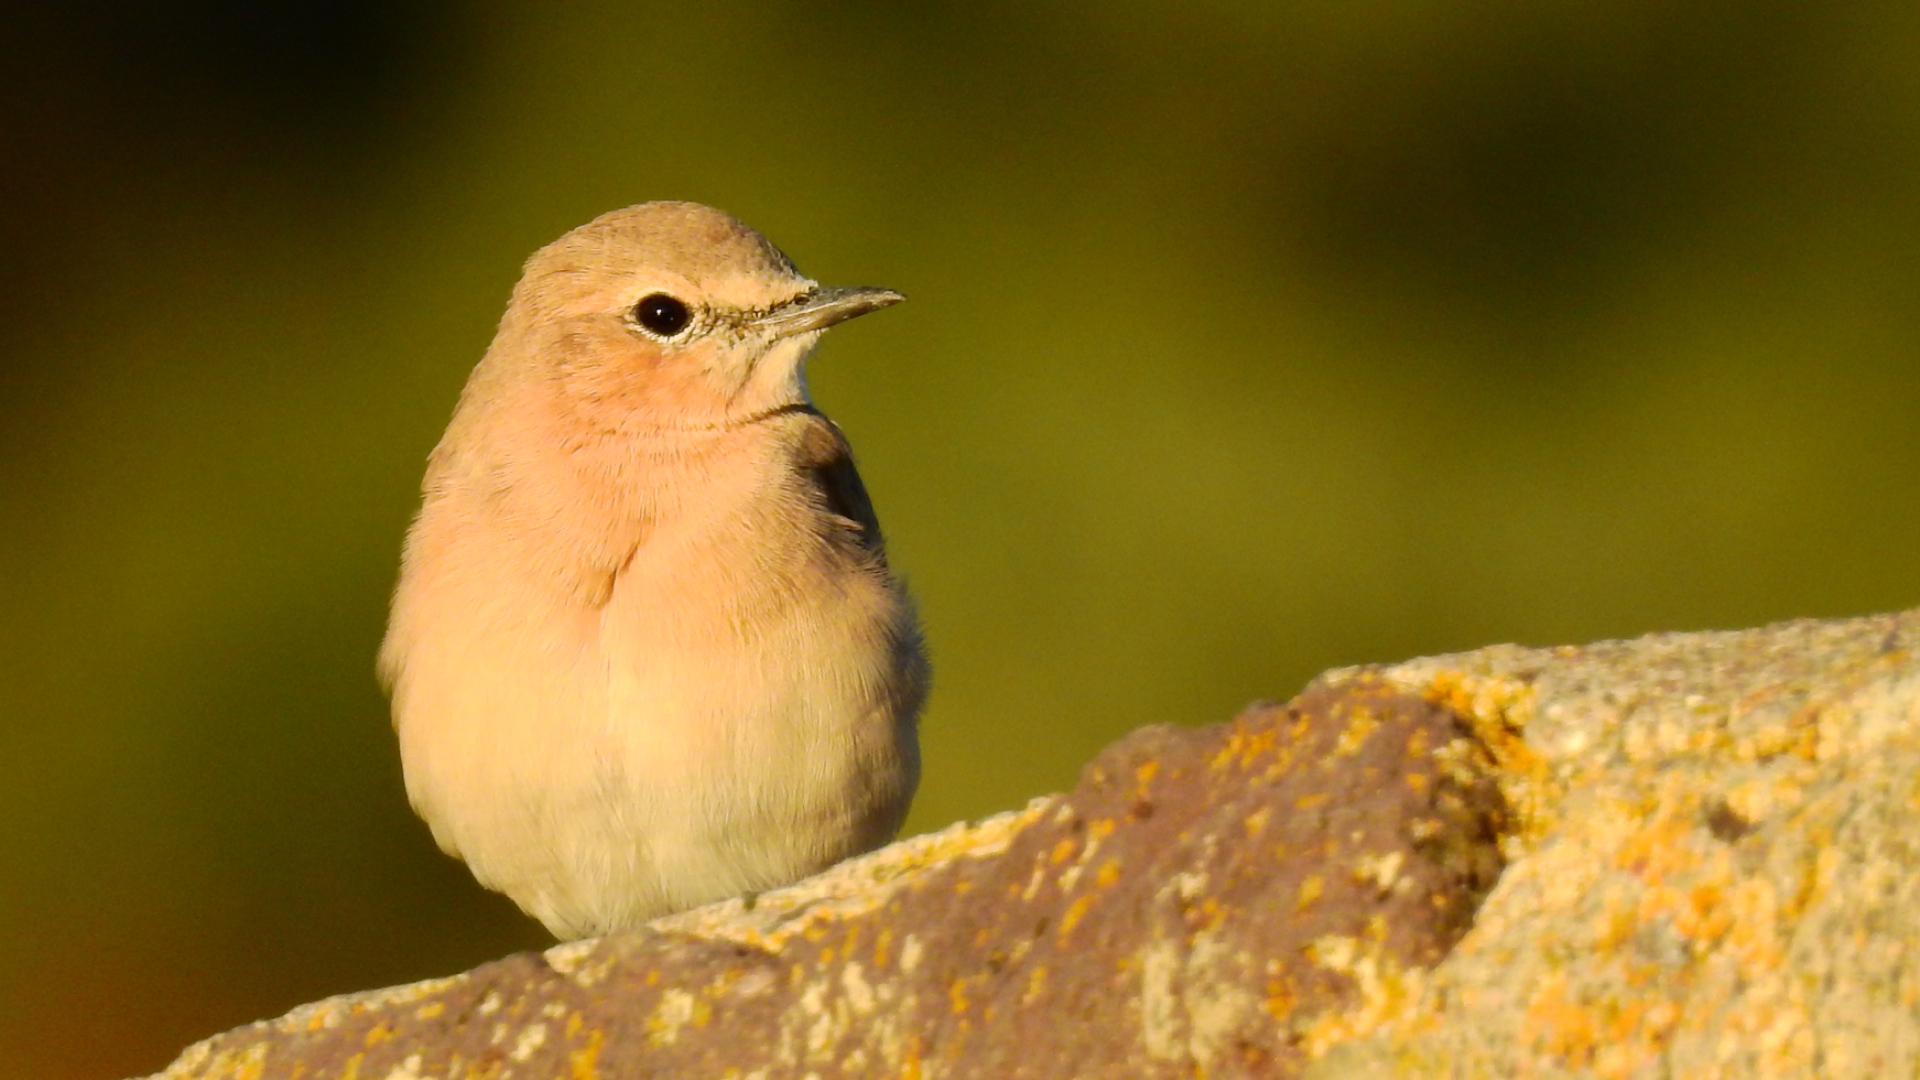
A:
(1715, 870)
(1684, 855)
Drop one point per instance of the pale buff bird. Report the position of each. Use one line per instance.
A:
(646, 651)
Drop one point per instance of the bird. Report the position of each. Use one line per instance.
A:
(646, 651)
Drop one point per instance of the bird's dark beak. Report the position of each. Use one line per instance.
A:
(821, 307)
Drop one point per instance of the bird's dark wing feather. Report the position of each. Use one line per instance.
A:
(829, 461)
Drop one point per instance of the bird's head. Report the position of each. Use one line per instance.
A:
(672, 315)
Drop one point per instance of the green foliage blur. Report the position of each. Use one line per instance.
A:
(1245, 339)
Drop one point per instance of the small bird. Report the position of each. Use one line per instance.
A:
(646, 651)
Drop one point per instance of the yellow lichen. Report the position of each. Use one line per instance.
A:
(583, 1064)
(1361, 724)
(1075, 912)
(1036, 984)
(1256, 822)
(1244, 746)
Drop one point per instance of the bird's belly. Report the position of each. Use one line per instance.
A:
(688, 762)
(753, 768)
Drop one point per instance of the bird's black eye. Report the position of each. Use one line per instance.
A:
(662, 314)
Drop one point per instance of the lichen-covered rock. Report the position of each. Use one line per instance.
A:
(1688, 855)
(1715, 870)
(1227, 900)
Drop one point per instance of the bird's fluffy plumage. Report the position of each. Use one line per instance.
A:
(646, 650)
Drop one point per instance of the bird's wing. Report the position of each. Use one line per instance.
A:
(829, 460)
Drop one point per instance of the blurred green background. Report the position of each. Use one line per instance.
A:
(1245, 340)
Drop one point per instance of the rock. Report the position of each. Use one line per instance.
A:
(1683, 855)
(1715, 869)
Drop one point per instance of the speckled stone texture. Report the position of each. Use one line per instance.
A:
(1715, 870)
(1687, 855)
(1217, 900)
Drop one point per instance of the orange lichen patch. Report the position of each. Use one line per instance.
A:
(1798, 737)
(379, 1033)
(1244, 747)
(1756, 934)
(1208, 915)
(1418, 782)
(430, 1010)
(1144, 774)
(1063, 850)
(1704, 898)
(1616, 923)
(1658, 849)
(1559, 1025)
(1817, 880)
(1310, 892)
(583, 1064)
(574, 1023)
(882, 948)
(1781, 1035)
(1497, 711)
(1757, 799)
(1101, 829)
(1632, 1036)
(1075, 912)
(1505, 700)
(1703, 913)
(1419, 744)
(1280, 999)
(245, 1063)
(1361, 723)
(1036, 984)
(1314, 801)
(1108, 874)
(1256, 822)
(957, 996)
(1283, 760)
(1385, 991)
